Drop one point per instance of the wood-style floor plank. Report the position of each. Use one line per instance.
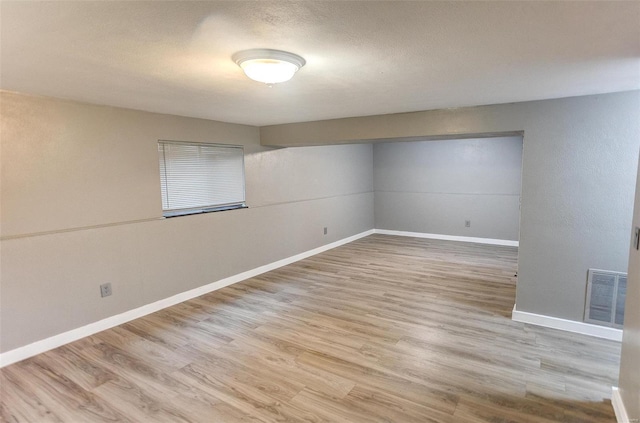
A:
(385, 329)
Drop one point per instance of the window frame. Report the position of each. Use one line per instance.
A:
(169, 213)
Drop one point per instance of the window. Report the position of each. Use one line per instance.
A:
(198, 178)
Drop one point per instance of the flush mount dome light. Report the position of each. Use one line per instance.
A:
(268, 66)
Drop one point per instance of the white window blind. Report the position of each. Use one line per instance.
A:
(200, 177)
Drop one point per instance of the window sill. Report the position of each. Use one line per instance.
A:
(179, 213)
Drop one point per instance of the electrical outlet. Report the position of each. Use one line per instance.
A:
(467, 223)
(325, 230)
(105, 289)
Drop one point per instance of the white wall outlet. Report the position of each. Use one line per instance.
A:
(105, 289)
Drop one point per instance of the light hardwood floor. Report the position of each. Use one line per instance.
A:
(385, 329)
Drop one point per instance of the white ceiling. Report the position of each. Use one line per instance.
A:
(363, 58)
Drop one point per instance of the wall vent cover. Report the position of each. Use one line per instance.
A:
(606, 291)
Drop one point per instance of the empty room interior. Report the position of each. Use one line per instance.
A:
(310, 211)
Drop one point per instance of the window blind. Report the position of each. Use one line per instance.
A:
(200, 177)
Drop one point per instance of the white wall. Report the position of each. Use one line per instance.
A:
(435, 186)
(629, 381)
(81, 206)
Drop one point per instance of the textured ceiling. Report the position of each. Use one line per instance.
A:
(363, 58)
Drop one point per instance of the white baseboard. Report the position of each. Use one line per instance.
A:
(618, 406)
(55, 341)
(567, 325)
(449, 237)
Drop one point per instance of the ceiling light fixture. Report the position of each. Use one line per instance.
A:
(268, 66)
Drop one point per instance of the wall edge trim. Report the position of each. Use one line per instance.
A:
(618, 406)
(55, 341)
(490, 241)
(566, 325)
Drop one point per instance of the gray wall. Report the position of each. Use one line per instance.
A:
(629, 381)
(80, 200)
(578, 177)
(434, 186)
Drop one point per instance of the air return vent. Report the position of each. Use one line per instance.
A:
(606, 291)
